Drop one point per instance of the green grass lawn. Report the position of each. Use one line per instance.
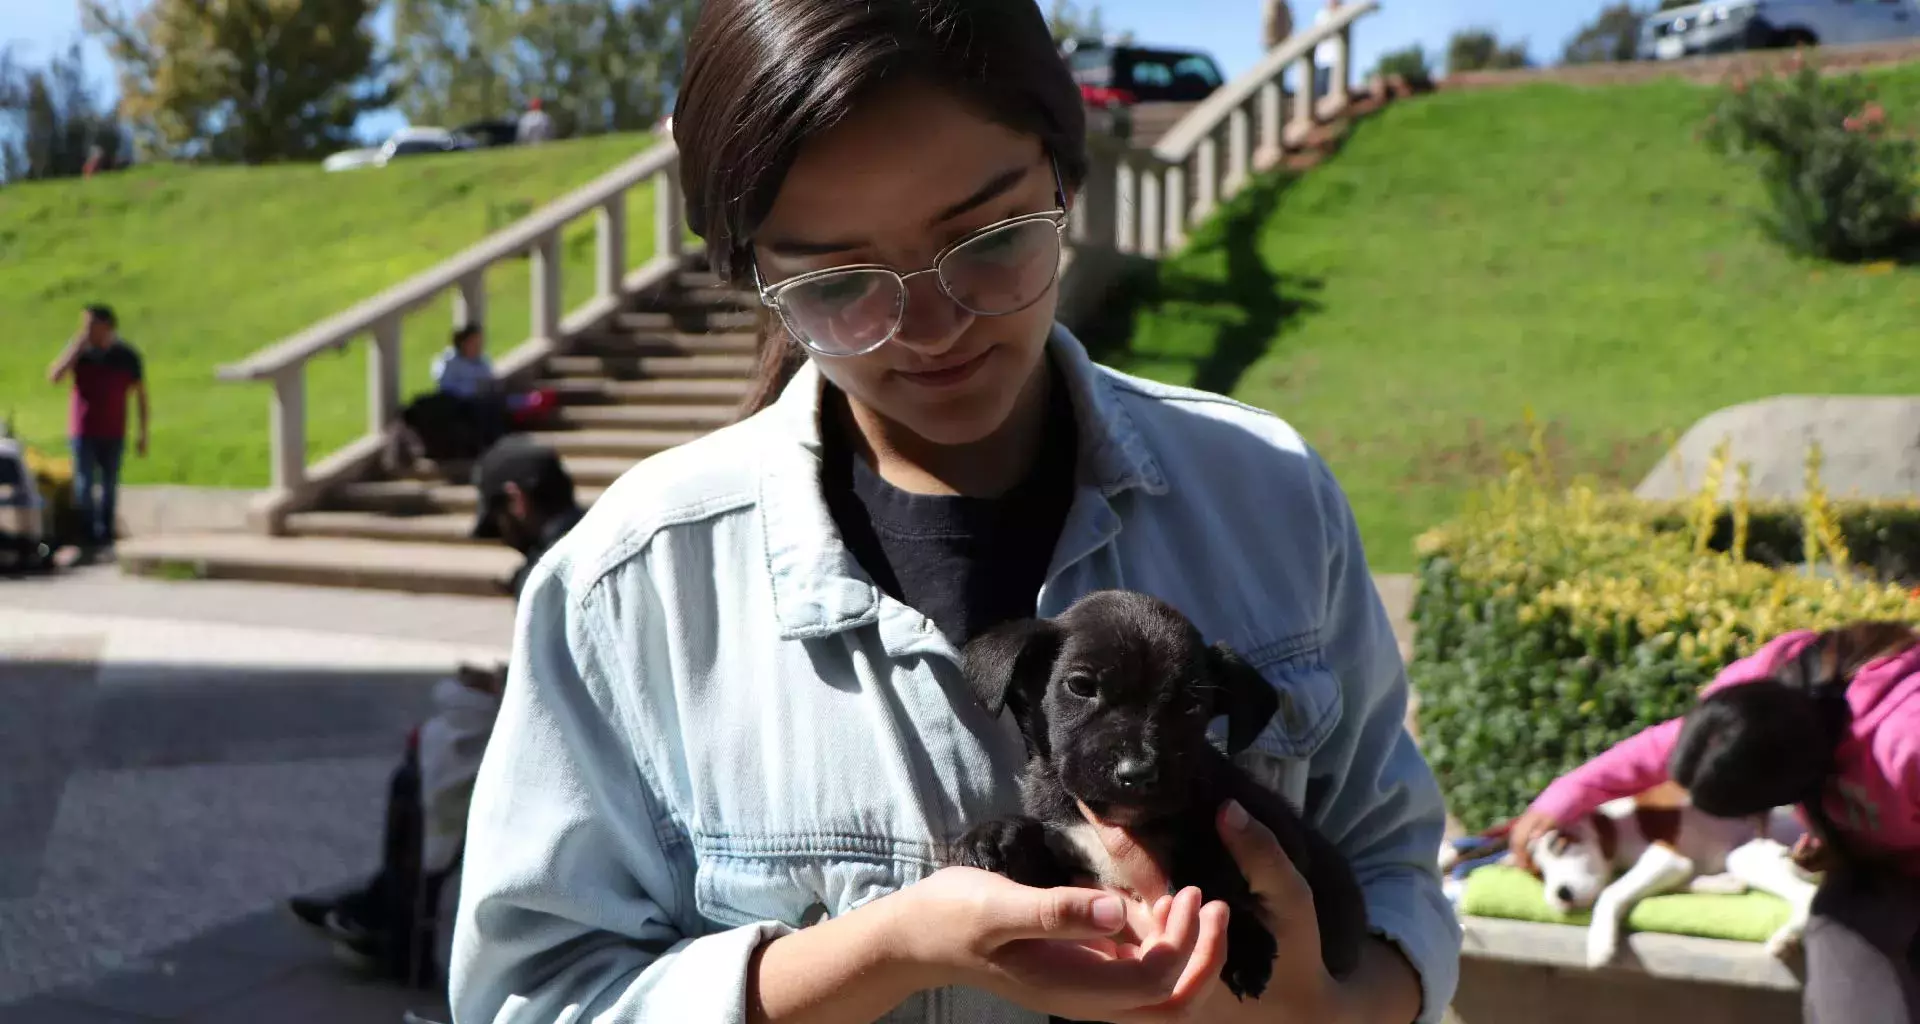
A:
(206, 265)
(1469, 256)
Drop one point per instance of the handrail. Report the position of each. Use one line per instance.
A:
(428, 284)
(1180, 142)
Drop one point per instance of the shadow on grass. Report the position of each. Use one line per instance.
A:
(1245, 308)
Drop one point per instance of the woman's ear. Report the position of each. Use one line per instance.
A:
(1011, 664)
(1245, 696)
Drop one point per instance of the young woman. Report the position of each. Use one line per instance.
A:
(736, 739)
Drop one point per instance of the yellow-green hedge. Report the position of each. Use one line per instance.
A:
(1554, 621)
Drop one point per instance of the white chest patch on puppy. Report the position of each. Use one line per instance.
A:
(1086, 840)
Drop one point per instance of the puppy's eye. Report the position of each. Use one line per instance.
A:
(1082, 686)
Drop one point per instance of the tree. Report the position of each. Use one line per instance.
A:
(1480, 50)
(253, 81)
(53, 124)
(1409, 63)
(596, 65)
(1613, 36)
(1070, 20)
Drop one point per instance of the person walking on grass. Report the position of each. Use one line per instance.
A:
(105, 369)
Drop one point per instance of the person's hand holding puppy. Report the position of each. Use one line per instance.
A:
(1067, 952)
(1302, 990)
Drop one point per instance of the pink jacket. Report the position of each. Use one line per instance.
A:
(1876, 798)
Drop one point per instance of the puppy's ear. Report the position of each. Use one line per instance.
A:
(1011, 664)
(1245, 696)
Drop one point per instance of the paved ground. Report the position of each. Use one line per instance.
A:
(178, 760)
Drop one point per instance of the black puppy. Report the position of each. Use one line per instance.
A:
(1114, 697)
(1750, 748)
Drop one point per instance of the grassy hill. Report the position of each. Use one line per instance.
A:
(205, 265)
(1469, 256)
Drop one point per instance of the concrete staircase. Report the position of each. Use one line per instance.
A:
(664, 371)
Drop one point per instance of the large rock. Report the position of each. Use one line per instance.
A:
(1870, 445)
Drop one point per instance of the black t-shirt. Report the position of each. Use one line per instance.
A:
(969, 564)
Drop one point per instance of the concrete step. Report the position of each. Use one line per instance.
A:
(596, 471)
(419, 497)
(698, 418)
(656, 367)
(704, 292)
(616, 343)
(444, 528)
(421, 568)
(629, 444)
(575, 391)
(687, 319)
(690, 280)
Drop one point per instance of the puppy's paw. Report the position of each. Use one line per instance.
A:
(1250, 953)
(1603, 943)
(1014, 847)
(1784, 943)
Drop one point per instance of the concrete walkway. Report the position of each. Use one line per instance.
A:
(180, 757)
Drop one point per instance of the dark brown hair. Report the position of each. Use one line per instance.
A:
(765, 76)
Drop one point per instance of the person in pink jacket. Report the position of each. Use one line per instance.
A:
(1830, 722)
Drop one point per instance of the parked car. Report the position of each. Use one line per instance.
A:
(405, 142)
(23, 512)
(491, 132)
(1724, 26)
(1122, 75)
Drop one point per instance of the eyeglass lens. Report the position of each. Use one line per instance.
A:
(1001, 272)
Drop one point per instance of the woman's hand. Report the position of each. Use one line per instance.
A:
(1068, 952)
(1527, 828)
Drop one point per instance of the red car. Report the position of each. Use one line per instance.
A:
(1122, 74)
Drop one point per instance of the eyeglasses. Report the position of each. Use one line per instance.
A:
(998, 270)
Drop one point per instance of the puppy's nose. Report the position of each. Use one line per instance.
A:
(1135, 771)
(1565, 894)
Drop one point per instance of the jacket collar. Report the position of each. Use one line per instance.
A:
(818, 586)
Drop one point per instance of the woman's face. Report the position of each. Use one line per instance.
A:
(912, 171)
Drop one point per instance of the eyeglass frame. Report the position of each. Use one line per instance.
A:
(769, 294)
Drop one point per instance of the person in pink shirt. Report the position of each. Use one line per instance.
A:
(1830, 722)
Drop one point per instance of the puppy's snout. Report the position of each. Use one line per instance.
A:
(1564, 893)
(1136, 772)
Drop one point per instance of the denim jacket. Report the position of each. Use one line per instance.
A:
(716, 729)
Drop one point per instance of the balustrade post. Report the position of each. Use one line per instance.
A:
(1239, 150)
(611, 248)
(1272, 144)
(470, 302)
(1305, 100)
(1207, 170)
(1173, 207)
(383, 375)
(544, 316)
(1095, 214)
(1128, 200)
(667, 212)
(1337, 85)
(287, 428)
(1151, 238)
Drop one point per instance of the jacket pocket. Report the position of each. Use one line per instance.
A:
(1310, 699)
(798, 879)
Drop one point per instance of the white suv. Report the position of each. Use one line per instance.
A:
(1727, 25)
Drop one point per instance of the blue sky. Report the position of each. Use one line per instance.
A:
(1227, 28)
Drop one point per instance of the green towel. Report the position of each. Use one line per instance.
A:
(1508, 892)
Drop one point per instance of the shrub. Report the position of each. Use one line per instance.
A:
(1410, 64)
(1840, 183)
(1555, 622)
